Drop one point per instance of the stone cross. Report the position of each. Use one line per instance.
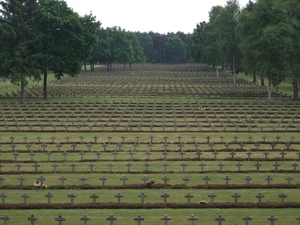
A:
(212, 196)
(227, 179)
(206, 178)
(189, 196)
(103, 179)
(16, 155)
(247, 179)
(21, 179)
(5, 218)
(289, 179)
(111, 219)
(165, 165)
(25, 196)
(60, 219)
(128, 165)
(62, 179)
(236, 196)
(124, 180)
(94, 196)
(65, 155)
(119, 196)
(72, 196)
(49, 196)
(82, 179)
(32, 219)
(192, 218)
(247, 218)
(165, 218)
(185, 179)
(165, 196)
(239, 166)
(18, 165)
(221, 165)
(139, 219)
(276, 165)
(3, 196)
(98, 155)
(268, 179)
(272, 218)
(257, 166)
(220, 219)
(81, 153)
(91, 165)
(1, 180)
(202, 165)
(73, 165)
(142, 196)
(89, 145)
(31, 154)
(183, 167)
(110, 167)
(259, 196)
(282, 196)
(85, 219)
(165, 179)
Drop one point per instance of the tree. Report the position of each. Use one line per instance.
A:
(147, 45)
(196, 42)
(67, 39)
(18, 36)
(175, 50)
(138, 53)
(267, 37)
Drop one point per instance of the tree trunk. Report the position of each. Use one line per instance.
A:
(295, 89)
(91, 65)
(262, 81)
(217, 71)
(84, 64)
(233, 69)
(45, 83)
(254, 78)
(107, 66)
(22, 91)
(269, 87)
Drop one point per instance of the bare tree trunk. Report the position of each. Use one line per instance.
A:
(217, 71)
(295, 89)
(107, 66)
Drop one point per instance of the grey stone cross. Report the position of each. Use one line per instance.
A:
(32, 219)
(165, 196)
(192, 218)
(72, 196)
(139, 219)
(60, 219)
(111, 219)
(49, 196)
(165, 218)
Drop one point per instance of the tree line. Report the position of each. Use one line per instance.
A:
(262, 39)
(41, 35)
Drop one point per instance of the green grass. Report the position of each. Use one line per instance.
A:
(153, 216)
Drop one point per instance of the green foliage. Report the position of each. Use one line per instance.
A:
(175, 50)
(18, 36)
